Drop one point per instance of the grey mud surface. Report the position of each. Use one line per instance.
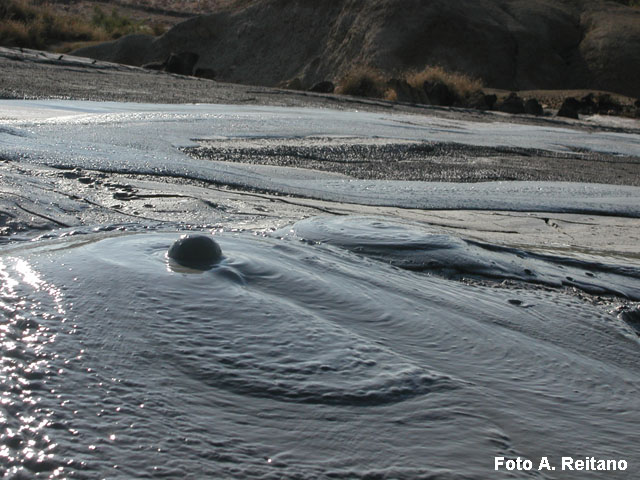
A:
(35, 200)
(30, 74)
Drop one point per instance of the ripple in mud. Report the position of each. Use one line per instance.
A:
(288, 353)
(421, 249)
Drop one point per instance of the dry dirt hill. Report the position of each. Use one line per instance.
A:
(509, 44)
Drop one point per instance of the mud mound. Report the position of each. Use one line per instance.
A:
(510, 44)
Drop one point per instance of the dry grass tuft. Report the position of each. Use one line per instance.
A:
(460, 84)
(30, 24)
(363, 81)
(391, 95)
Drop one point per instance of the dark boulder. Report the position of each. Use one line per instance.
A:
(181, 63)
(205, 73)
(323, 87)
(533, 107)
(406, 92)
(607, 105)
(511, 104)
(439, 94)
(569, 108)
(587, 105)
(491, 100)
(481, 101)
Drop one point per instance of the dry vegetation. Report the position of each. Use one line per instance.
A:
(365, 81)
(462, 86)
(39, 25)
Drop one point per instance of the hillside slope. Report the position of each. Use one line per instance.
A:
(510, 44)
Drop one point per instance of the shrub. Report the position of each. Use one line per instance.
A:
(463, 86)
(363, 81)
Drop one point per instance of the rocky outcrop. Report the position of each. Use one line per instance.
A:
(533, 107)
(509, 44)
(511, 104)
(569, 108)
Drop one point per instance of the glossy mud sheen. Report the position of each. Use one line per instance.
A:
(337, 347)
(300, 356)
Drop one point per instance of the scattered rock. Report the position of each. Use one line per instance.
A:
(569, 108)
(323, 87)
(533, 107)
(481, 101)
(511, 104)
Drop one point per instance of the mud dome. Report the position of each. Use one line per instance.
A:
(298, 359)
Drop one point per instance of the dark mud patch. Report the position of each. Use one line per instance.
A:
(369, 159)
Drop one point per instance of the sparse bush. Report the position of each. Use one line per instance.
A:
(463, 86)
(363, 81)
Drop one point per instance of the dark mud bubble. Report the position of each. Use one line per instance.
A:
(199, 252)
